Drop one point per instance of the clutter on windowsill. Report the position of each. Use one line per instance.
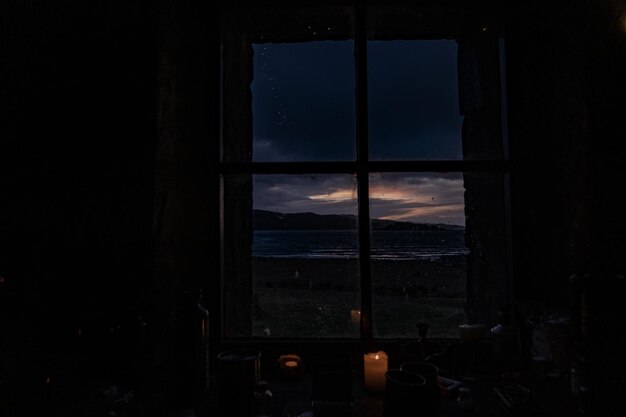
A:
(448, 387)
(472, 332)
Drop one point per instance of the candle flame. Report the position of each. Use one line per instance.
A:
(376, 356)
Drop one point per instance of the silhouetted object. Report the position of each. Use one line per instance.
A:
(405, 394)
(203, 352)
(417, 350)
(465, 402)
(597, 311)
(506, 339)
(422, 331)
(432, 393)
(238, 372)
(332, 377)
(114, 400)
(263, 400)
(194, 347)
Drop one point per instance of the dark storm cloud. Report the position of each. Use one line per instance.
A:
(392, 207)
(304, 110)
(322, 194)
(304, 101)
(416, 178)
(413, 100)
(418, 197)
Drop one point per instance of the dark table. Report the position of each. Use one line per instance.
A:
(547, 395)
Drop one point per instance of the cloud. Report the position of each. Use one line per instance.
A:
(322, 194)
(304, 101)
(304, 110)
(417, 197)
(425, 198)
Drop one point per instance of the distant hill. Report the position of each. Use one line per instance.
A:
(271, 220)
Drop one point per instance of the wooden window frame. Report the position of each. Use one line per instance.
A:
(454, 24)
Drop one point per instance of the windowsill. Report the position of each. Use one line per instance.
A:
(474, 367)
(293, 398)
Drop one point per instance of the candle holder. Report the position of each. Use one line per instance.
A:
(291, 366)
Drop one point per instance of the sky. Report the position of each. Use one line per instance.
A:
(415, 197)
(304, 109)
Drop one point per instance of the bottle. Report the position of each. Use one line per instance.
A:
(576, 380)
(506, 339)
(193, 347)
(262, 400)
(202, 337)
(465, 402)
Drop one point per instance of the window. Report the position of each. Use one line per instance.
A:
(356, 199)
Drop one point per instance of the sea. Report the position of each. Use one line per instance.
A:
(343, 244)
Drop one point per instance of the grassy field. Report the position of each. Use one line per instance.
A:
(314, 297)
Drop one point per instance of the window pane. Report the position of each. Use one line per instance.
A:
(303, 101)
(302, 255)
(418, 253)
(413, 100)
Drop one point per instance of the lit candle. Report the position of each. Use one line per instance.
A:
(375, 367)
(355, 316)
(291, 364)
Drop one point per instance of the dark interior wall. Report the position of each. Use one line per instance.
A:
(104, 195)
(607, 85)
(77, 159)
(186, 233)
(566, 66)
(549, 135)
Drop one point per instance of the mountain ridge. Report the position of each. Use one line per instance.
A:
(272, 220)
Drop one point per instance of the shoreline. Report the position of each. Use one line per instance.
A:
(437, 277)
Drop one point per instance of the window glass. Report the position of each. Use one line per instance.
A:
(413, 100)
(418, 253)
(303, 101)
(303, 256)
